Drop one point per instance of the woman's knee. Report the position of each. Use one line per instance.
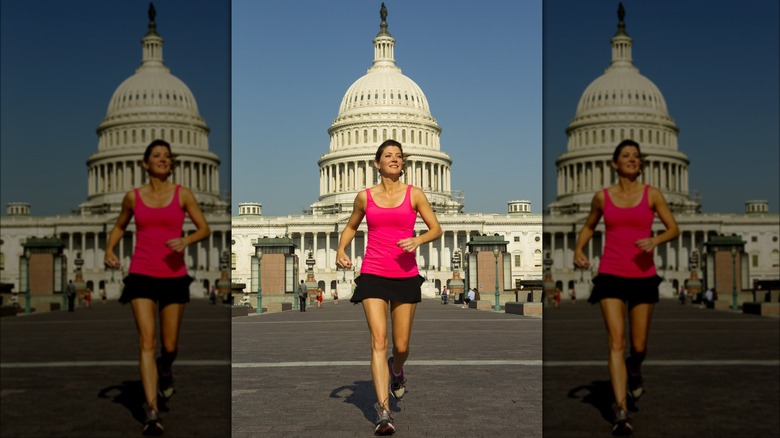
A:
(617, 343)
(401, 348)
(378, 343)
(147, 343)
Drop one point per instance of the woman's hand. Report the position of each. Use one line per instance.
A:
(409, 244)
(580, 261)
(178, 244)
(646, 245)
(342, 260)
(111, 261)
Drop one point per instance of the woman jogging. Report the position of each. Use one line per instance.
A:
(626, 277)
(157, 275)
(389, 279)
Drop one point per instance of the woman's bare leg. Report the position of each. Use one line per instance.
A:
(376, 316)
(614, 312)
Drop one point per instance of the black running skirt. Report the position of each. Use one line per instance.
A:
(631, 290)
(162, 290)
(404, 290)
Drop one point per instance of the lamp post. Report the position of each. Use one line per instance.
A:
(466, 288)
(24, 278)
(734, 278)
(259, 255)
(496, 252)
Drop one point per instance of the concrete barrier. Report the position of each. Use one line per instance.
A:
(764, 309)
(525, 309)
(240, 311)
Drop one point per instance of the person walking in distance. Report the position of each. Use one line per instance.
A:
(627, 278)
(389, 279)
(303, 295)
(157, 283)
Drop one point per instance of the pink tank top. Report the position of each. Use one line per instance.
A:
(154, 227)
(386, 226)
(624, 226)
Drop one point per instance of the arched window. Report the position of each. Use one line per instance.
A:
(538, 258)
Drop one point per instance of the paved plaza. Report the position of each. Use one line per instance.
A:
(75, 374)
(470, 373)
(708, 373)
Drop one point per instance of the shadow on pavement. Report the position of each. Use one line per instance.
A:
(129, 394)
(361, 394)
(597, 394)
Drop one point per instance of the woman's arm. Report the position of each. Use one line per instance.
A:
(588, 228)
(128, 203)
(423, 207)
(191, 206)
(658, 203)
(358, 213)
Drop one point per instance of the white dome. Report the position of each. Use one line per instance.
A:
(383, 90)
(152, 87)
(622, 89)
(383, 104)
(151, 104)
(620, 104)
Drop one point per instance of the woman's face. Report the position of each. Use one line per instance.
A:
(629, 161)
(160, 161)
(391, 162)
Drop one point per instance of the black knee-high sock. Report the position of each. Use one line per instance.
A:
(166, 360)
(635, 359)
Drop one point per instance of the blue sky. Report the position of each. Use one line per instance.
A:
(479, 65)
(60, 63)
(716, 64)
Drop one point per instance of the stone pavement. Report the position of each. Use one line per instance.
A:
(708, 373)
(471, 373)
(66, 374)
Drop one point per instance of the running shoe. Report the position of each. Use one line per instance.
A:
(635, 383)
(153, 423)
(622, 424)
(384, 421)
(397, 382)
(165, 383)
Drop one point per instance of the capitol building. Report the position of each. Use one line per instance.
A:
(385, 104)
(621, 104)
(150, 104)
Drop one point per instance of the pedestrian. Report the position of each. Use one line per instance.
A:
(627, 277)
(71, 290)
(709, 296)
(573, 296)
(157, 280)
(468, 297)
(88, 298)
(557, 298)
(103, 296)
(389, 278)
(335, 296)
(213, 294)
(319, 298)
(303, 295)
(444, 295)
(681, 296)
